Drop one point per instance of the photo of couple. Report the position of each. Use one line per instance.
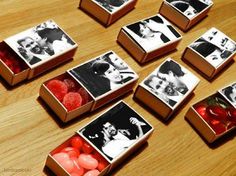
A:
(112, 5)
(40, 43)
(170, 82)
(214, 46)
(103, 74)
(190, 8)
(152, 33)
(116, 130)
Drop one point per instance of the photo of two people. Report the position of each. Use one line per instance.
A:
(152, 33)
(116, 130)
(104, 74)
(170, 82)
(40, 43)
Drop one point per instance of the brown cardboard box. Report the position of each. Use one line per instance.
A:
(115, 135)
(149, 38)
(210, 53)
(107, 13)
(104, 78)
(37, 49)
(166, 88)
(185, 14)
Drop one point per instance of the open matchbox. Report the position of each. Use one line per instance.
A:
(210, 53)
(185, 14)
(166, 88)
(103, 79)
(34, 51)
(107, 12)
(215, 115)
(114, 135)
(149, 38)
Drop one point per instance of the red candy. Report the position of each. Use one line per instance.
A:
(84, 94)
(87, 161)
(11, 60)
(70, 84)
(61, 157)
(58, 88)
(102, 165)
(76, 163)
(72, 100)
(217, 112)
(71, 151)
(232, 115)
(77, 142)
(77, 168)
(86, 148)
(201, 109)
(218, 127)
(64, 160)
(92, 173)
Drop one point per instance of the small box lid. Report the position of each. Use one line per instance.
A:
(215, 47)
(170, 82)
(229, 93)
(190, 9)
(41, 43)
(103, 75)
(112, 6)
(116, 132)
(152, 33)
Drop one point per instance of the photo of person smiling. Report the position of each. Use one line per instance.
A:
(108, 71)
(103, 74)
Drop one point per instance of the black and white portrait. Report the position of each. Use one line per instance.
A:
(103, 74)
(116, 130)
(40, 43)
(190, 8)
(170, 82)
(152, 33)
(112, 5)
(214, 46)
(230, 93)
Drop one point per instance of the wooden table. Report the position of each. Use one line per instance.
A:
(29, 130)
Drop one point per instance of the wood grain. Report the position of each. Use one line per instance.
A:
(29, 130)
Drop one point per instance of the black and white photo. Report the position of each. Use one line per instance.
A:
(116, 130)
(214, 46)
(103, 74)
(40, 43)
(170, 82)
(190, 8)
(152, 33)
(112, 5)
(230, 93)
